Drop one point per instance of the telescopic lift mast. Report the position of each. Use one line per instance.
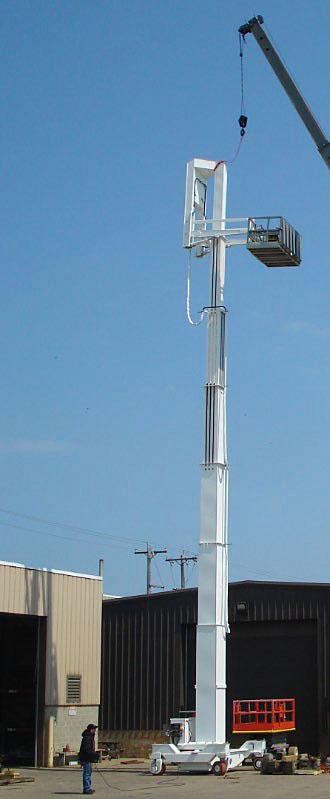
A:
(200, 743)
(254, 26)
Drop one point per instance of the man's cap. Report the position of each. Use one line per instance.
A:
(91, 727)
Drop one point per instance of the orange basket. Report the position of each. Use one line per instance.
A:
(263, 715)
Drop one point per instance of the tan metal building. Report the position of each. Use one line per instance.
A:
(50, 633)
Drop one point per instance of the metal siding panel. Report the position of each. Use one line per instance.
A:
(173, 664)
(19, 591)
(106, 660)
(133, 707)
(155, 673)
(71, 620)
(63, 643)
(160, 693)
(111, 673)
(60, 633)
(12, 585)
(91, 653)
(74, 610)
(325, 652)
(10, 588)
(115, 675)
(7, 592)
(127, 697)
(106, 669)
(122, 674)
(88, 633)
(61, 591)
(168, 713)
(140, 724)
(98, 590)
(147, 669)
(3, 590)
(101, 713)
(50, 664)
(83, 625)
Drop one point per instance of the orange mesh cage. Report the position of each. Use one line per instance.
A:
(263, 715)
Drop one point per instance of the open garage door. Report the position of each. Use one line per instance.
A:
(276, 660)
(21, 688)
(266, 660)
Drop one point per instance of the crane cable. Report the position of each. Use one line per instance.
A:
(241, 45)
(242, 118)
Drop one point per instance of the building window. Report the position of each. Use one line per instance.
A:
(73, 690)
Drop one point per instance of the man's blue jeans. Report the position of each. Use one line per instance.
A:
(87, 773)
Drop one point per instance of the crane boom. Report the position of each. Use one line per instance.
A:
(321, 141)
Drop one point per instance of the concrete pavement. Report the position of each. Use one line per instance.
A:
(130, 781)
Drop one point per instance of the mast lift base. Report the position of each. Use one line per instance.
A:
(192, 756)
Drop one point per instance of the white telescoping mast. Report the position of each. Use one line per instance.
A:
(213, 549)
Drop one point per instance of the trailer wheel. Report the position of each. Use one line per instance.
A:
(156, 770)
(257, 763)
(219, 768)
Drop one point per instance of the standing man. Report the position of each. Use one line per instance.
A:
(87, 756)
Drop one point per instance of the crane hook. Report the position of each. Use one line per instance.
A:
(242, 123)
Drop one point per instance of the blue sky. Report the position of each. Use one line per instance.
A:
(103, 102)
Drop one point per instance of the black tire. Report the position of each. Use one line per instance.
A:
(289, 768)
(257, 761)
(219, 768)
(267, 764)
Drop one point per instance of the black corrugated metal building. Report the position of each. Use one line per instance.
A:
(278, 648)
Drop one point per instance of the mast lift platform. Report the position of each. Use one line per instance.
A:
(199, 744)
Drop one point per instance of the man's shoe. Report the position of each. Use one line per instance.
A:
(89, 791)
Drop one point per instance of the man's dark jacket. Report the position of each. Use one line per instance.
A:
(87, 752)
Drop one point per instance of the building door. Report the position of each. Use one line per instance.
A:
(276, 660)
(266, 660)
(21, 687)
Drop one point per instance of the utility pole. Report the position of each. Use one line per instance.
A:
(182, 560)
(150, 553)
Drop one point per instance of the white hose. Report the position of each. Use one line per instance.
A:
(188, 295)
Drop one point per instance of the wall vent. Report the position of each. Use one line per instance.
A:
(73, 690)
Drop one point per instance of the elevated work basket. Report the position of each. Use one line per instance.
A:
(273, 241)
(263, 715)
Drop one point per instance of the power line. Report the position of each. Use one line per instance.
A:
(193, 567)
(119, 542)
(41, 532)
(64, 526)
(159, 575)
(75, 528)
